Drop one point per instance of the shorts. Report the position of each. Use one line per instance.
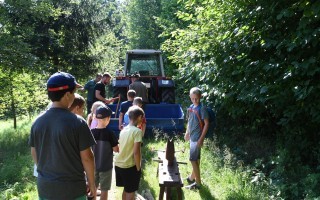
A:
(195, 151)
(84, 197)
(104, 178)
(129, 178)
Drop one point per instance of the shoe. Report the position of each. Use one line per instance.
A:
(189, 180)
(193, 186)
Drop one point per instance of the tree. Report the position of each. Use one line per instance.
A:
(258, 61)
(141, 28)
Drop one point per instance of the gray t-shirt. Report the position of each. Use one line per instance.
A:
(58, 137)
(141, 90)
(193, 121)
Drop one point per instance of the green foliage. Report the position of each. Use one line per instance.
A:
(39, 38)
(258, 62)
(140, 17)
(16, 164)
(23, 94)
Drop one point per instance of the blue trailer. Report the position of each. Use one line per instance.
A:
(161, 119)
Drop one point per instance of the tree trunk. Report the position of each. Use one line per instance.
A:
(13, 107)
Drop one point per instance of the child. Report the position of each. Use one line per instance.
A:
(103, 150)
(196, 133)
(128, 161)
(124, 106)
(137, 101)
(77, 107)
(91, 120)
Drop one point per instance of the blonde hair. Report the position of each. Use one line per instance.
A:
(94, 107)
(195, 90)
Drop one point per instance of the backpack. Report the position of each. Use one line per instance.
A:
(211, 116)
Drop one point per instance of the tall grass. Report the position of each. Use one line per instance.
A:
(16, 166)
(223, 177)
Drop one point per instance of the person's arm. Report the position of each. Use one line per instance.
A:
(187, 134)
(204, 132)
(121, 120)
(87, 160)
(101, 98)
(34, 155)
(137, 155)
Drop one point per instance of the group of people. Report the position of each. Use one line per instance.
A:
(96, 89)
(74, 156)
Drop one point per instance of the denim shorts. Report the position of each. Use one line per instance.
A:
(195, 151)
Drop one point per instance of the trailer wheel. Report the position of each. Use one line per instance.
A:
(123, 93)
(168, 95)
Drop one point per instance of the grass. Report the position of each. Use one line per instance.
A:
(16, 180)
(223, 177)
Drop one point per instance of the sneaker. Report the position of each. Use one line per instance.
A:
(193, 186)
(189, 180)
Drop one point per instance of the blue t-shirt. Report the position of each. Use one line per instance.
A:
(124, 106)
(126, 120)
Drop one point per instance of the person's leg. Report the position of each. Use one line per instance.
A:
(129, 196)
(89, 105)
(196, 171)
(131, 183)
(104, 195)
(195, 162)
(105, 183)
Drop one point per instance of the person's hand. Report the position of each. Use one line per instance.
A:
(120, 127)
(187, 136)
(200, 142)
(93, 192)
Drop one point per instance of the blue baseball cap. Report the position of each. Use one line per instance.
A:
(61, 81)
(103, 112)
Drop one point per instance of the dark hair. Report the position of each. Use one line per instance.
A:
(134, 112)
(131, 93)
(57, 95)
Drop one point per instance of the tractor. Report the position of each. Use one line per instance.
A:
(162, 114)
(149, 64)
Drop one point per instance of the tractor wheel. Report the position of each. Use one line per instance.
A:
(168, 95)
(120, 91)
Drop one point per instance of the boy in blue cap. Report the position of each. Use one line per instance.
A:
(61, 145)
(103, 150)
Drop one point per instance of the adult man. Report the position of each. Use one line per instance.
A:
(100, 89)
(61, 145)
(89, 86)
(139, 87)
